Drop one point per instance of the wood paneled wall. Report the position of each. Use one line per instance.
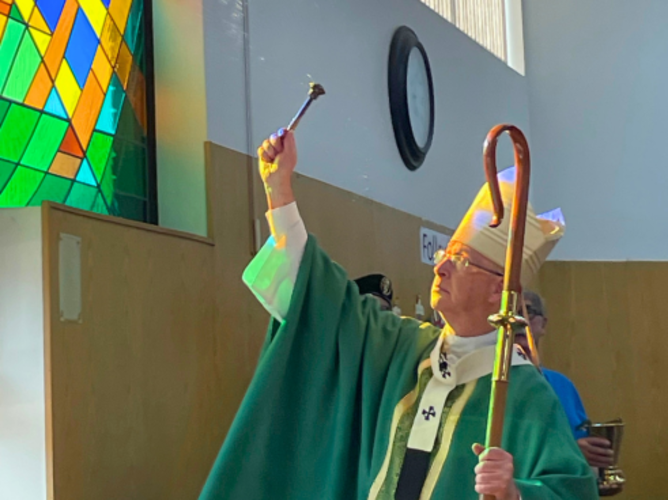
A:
(132, 390)
(141, 393)
(606, 331)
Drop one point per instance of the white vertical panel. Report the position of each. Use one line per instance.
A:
(515, 35)
(69, 277)
(22, 396)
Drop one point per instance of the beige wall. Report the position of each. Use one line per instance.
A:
(607, 333)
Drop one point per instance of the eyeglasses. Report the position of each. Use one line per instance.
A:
(460, 261)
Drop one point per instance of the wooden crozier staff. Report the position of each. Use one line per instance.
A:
(506, 321)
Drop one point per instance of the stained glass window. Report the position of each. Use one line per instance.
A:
(75, 105)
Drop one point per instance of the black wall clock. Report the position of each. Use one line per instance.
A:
(411, 92)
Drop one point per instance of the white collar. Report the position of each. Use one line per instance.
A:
(458, 347)
(476, 356)
(449, 372)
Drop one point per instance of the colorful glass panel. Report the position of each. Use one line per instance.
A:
(41, 39)
(74, 115)
(45, 141)
(55, 105)
(8, 48)
(51, 10)
(6, 171)
(39, 89)
(23, 70)
(81, 48)
(38, 22)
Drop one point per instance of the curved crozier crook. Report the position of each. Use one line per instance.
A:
(520, 197)
(513, 269)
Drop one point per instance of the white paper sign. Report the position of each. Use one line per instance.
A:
(430, 243)
(69, 275)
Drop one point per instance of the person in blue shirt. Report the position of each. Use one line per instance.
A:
(596, 450)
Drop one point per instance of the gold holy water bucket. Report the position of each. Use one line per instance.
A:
(610, 479)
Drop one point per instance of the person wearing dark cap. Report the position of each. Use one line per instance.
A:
(379, 287)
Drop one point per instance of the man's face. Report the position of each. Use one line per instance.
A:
(461, 290)
(537, 323)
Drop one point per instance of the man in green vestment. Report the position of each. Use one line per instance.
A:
(350, 402)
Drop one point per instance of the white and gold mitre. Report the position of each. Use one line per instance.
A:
(542, 231)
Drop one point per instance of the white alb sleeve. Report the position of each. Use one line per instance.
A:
(272, 274)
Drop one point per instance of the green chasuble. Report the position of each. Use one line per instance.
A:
(330, 408)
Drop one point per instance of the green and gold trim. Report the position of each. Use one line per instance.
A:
(446, 440)
(403, 405)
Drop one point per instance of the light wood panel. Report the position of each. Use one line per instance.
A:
(607, 332)
(240, 321)
(130, 387)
